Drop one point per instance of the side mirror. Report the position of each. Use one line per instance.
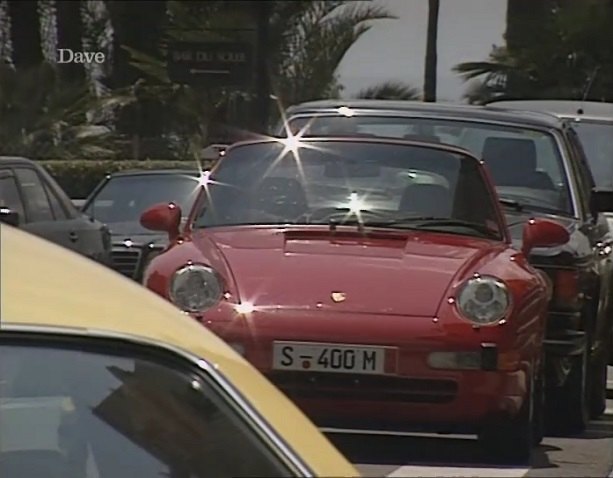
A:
(601, 201)
(163, 217)
(10, 217)
(543, 233)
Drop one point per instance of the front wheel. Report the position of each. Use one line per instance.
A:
(568, 406)
(598, 389)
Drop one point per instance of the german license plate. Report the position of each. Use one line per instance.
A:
(340, 358)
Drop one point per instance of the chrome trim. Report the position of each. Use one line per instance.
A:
(261, 427)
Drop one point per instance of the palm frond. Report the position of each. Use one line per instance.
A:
(389, 90)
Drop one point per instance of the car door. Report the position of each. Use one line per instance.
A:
(10, 194)
(41, 218)
(601, 238)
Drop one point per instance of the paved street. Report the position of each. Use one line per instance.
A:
(421, 455)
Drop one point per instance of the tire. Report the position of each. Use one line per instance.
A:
(568, 406)
(598, 386)
(511, 440)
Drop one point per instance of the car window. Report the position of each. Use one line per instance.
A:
(37, 201)
(101, 413)
(525, 163)
(9, 193)
(585, 182)
(597, 141)
(56, 206)
(380, 184)
(122, 199)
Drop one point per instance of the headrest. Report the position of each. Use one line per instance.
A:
(510, 154)
(426, 138)
(427, 199)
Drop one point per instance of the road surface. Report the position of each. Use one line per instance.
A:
(421, 455)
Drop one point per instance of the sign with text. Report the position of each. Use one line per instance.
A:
(214, 63)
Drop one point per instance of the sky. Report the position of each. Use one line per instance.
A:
(395, 49)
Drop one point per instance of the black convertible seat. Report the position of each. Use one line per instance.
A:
(513, 162)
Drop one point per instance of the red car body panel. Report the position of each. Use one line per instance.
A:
(288, 276)
(399, 288)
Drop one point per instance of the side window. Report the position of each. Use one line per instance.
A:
(583, 181)
(146, 412)
(58, 209)
(9, 193)
(37, 201)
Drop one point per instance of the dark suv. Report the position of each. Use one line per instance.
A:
(540, 170)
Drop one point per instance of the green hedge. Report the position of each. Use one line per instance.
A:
(79, 177)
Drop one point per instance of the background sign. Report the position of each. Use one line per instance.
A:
(215, 63)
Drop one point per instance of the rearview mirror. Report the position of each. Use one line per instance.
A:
(163, 217)
(543, 233)
(601, 200)
(10, 217)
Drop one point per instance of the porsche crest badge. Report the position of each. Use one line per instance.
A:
(338, 297)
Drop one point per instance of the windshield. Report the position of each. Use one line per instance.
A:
(597, 142)
(91, 415)
(525, 164)
(330, 182)
(123, 199)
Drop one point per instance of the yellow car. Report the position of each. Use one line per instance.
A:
(102, 378)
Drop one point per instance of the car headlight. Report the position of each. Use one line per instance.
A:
(483, 300)
(195, 288)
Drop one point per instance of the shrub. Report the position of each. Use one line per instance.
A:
(79, 177)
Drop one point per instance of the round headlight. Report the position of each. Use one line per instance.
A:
(195, 288)
(483, 300)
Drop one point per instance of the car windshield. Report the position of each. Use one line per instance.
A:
(597, 141)
(123, 199)
(92, 414)
(347, 182)
(525, 164)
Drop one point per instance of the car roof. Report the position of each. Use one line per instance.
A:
(156, 172)
(449, 148)
(452, 110)
(17, 159)
(592, 110)
(47, 286)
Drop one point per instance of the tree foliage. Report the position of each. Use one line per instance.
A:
(389, 90)
(44, 116)
(573, 58)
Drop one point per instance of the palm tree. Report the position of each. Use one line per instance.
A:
(70, 35)
(306, 42)
(431, 56)
(389, 90)
(25, 33)
(44, 116)
(314, 43)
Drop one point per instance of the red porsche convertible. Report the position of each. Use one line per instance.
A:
(372, 280)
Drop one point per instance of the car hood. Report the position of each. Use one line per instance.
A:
(134, 233)
(406, 273)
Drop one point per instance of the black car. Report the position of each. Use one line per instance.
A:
(537, 164)
(593, 122)
(120, 198)
(33, 201)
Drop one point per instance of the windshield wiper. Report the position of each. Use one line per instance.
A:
(521, 206)
(435, 222)
(417, 222)
(512, 203)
